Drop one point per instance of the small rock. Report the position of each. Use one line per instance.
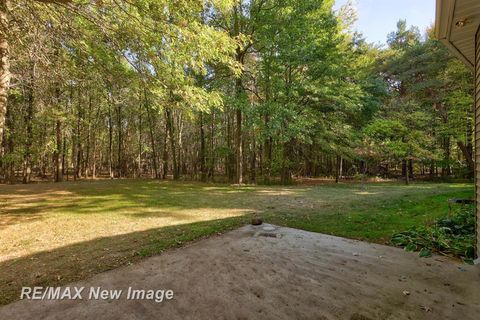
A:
(356, 254)
(406, 293)
(256, 221)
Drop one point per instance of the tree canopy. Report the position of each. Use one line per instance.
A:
(234, 90)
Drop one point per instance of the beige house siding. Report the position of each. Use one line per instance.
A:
(458, 27)
(477, 135)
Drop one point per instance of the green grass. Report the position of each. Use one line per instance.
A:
(379, 221)
(53, 234)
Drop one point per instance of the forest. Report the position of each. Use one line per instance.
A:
(259, 159)
(259, 91)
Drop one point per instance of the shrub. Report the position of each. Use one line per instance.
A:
(453, 235)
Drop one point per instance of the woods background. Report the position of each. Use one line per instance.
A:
(258, 91)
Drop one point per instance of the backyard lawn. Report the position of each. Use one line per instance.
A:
(52, 234)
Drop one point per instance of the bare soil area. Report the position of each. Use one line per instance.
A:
(252, 273)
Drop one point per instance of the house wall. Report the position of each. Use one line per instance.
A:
(477, 135)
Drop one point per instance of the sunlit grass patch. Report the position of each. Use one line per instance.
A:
(58, 233)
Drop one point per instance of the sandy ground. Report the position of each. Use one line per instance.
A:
(252, 273)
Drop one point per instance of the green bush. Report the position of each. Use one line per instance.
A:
(453, 235)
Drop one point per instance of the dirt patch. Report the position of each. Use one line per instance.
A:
(298, 275)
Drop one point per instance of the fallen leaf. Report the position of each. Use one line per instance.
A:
(426, 309)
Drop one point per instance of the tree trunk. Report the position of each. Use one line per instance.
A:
(230, 157)
(238, 16)
(267, 156)
(203, 173)
(27, 158)
(110, 143)
(407, 173)
(173, 146)
(74, 157)
(94, 166)
(119, 142)
(468, 157)
(446, 169)
(152, 136)
(339, 168)
(410, 169)
(58, 152)
(64, 153)
(10, 144)
(178, 134)
(253, 162)
(286, 174)
(239, 149)
(212, 149)
(5, 74)
(364, 174)
(140, 146)
(78, 141)
(86, 161)
(165, 154)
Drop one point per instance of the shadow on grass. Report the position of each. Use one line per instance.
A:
(148, 198)
(82, 260)
(132, 199)
(338, 209)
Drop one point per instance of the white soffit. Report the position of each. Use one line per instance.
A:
(456, 25)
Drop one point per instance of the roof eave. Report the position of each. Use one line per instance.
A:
(457, 53)
(443, 26)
